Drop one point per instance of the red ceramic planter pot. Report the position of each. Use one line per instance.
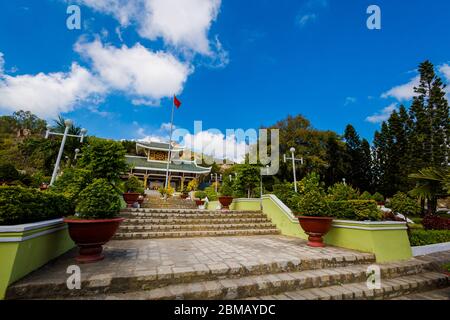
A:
(131, 198)
(315, 228)
(91, 235)
(225, 202)
(199, 202)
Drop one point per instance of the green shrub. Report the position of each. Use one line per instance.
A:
(20, 205)
(310, 183)
(211, 194)
(200, 195)
(104, 158)
(8, 173)
(72, 182)
(366, 196)
(359, 210)
(341, 192)
(402, 203)
(192, 185)
(285, 192)
(226, 189)
(133, 185)
(378, 197)
(313, 204)
(426, 237)
(166, 191)
(99, 200)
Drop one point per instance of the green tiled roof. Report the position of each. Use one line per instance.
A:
(157, 145)
(159, 166)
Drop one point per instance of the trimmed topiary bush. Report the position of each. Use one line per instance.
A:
(226, 190)
(366, 196)
(426, 237)
(200, 195)
(72, 182)
(378, 197)
(341, 192)
(20, 205)
(99, 200)
(404, 205)
(133, 185)
(211, 194)
(313, 204)
(359, 210)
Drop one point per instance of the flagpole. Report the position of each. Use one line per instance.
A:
(170, 144)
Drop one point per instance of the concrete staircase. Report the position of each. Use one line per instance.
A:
(170, 203)
(147, 223)
(337, 277)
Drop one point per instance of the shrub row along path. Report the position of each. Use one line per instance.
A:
(269, 266)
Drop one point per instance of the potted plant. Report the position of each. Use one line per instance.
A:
(133, 189)
(184, 193)
(200, 195)
(226, 195)
(314, 217)
(95, 221)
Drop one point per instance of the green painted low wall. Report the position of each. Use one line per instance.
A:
(387, 240)
(26, 248)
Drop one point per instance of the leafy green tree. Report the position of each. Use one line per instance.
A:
(248, 179)
(104, 158)
(429, 186)
(8, 173)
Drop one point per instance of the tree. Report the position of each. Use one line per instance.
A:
(338, 165)
(248, 178)
(429, 186)
(356, 176)
(104, 158)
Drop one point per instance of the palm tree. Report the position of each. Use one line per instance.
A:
(430, 186)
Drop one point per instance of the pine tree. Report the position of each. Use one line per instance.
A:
(367, 180)
(353, 145)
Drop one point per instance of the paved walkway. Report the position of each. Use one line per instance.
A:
(167, 258)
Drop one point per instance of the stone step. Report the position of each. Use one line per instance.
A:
(189, 234)
(182, 221)
(130, 281)
(185, 211)
(390, 288)
(336, 283)
(193, 227)
(206, 215)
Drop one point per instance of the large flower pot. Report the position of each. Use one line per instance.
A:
(199, 203)
(315, 228)
(225, 202)
(91, 235)
(131, 198)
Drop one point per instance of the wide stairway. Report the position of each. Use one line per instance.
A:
(264, 267)
(146, 223)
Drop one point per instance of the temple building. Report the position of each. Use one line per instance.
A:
(152, 167)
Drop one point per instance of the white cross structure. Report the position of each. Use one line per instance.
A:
(294, 160)
(68, 123)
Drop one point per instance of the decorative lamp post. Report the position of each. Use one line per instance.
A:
(68, 123)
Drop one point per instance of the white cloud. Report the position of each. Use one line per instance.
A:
(181, 23)
(136, 71)
(303, 20)
(383, 115)
(445, 70)
(403, 92)
(47, 95)
(216, 145)
(2, 63)
(349, 100)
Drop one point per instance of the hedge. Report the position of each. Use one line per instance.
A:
(426, 237)
(360, 210)
(20, 205)
(434, 222)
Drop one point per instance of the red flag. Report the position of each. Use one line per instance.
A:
(176, 102)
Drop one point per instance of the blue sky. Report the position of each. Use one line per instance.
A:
(233, 63)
